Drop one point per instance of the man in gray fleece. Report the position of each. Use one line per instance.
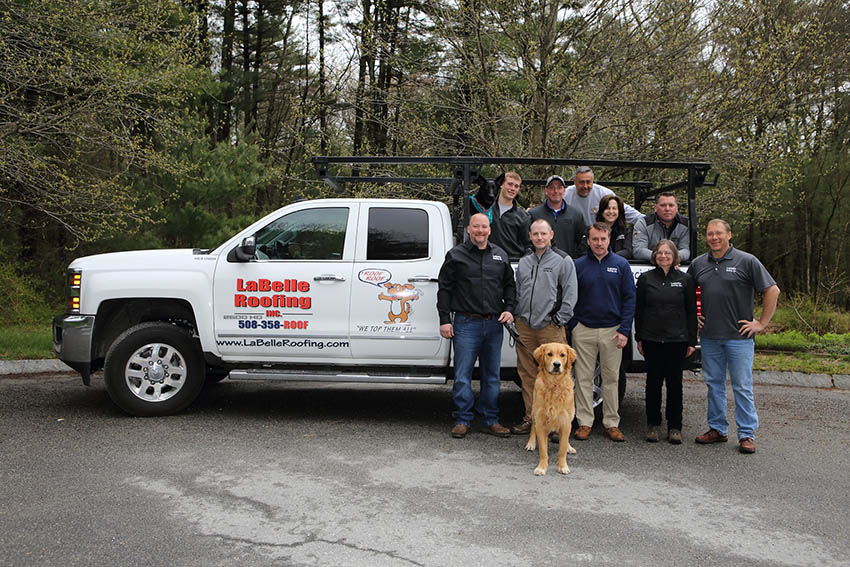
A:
(546, 293)
(664, 222)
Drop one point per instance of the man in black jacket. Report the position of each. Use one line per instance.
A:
(510, 222)
(477, 285)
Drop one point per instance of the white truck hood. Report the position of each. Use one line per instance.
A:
(183, 258)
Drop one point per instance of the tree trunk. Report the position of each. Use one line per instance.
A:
(323, 108)
(258, 63)
(246, 66)
(360, 97)
(226, 76)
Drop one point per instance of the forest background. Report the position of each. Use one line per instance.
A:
(167, 123)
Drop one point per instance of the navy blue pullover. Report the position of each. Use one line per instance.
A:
(606, 293)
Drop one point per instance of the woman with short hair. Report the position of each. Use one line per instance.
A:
(666, 334)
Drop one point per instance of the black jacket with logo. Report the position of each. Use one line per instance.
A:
(666, 309)
(475, 281)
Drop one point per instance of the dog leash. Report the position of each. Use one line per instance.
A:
(514, 337)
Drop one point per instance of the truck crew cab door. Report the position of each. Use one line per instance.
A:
(291, 301)
(400, 248)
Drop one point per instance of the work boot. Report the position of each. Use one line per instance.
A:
(653, 434)
(674, 436)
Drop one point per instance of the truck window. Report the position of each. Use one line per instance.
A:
(311, 234)
(397, 234)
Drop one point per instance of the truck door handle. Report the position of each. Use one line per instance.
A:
(422, 279)
(328, 278)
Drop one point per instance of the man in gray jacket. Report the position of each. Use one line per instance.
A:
(546, 294)
(665, 222)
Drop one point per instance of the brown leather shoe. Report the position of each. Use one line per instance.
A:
(614, 434)
(496, 429)
(582, 433)
(711, 436)
(460, 430)
(521, 428)
(747, 446)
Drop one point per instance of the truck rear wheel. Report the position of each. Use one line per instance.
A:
(154, 369)
(597, 388)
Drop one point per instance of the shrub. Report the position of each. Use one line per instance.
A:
(22, 301)
(801, 313)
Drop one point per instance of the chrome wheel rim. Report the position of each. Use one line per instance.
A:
(597, 386)
(155, 372)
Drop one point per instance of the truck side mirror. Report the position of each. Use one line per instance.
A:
(246, 250)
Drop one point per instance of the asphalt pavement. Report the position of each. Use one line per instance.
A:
(327, 474)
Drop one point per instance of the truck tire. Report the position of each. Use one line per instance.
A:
(214, 375)
(154, 369)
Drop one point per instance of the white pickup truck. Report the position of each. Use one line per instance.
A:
(340, 290)
(332, 290)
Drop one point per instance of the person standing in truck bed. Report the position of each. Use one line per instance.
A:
(664, 223)
(510, 222)
(568, 224)
(584, 196)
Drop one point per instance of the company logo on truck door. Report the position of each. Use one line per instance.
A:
(281, 293)
(399, 296)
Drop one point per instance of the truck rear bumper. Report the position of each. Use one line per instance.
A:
(72, 336)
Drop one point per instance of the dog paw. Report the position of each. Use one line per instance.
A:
(564, 470)
(530, 446)
(539, 471)
(570, 450)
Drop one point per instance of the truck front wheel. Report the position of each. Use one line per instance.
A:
(154, 369)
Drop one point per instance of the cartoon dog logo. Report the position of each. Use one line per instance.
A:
(399, 295)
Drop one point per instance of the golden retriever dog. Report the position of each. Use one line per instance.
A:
(553, 407)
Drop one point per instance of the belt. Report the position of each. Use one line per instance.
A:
(476, 315)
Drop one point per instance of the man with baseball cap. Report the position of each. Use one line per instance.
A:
(568, 224)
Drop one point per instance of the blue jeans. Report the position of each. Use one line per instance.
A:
(737, 356)
(476, 339)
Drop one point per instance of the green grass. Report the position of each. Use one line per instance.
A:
(831, 343)
(801, 362)
(26, 342)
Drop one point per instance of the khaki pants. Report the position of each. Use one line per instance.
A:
(588, 344)
(530, 339)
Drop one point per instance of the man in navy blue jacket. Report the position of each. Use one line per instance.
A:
(601, 326)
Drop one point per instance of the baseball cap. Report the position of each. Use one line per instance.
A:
(555, 178)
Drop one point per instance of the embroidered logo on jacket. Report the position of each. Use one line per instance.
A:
(613, 270)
